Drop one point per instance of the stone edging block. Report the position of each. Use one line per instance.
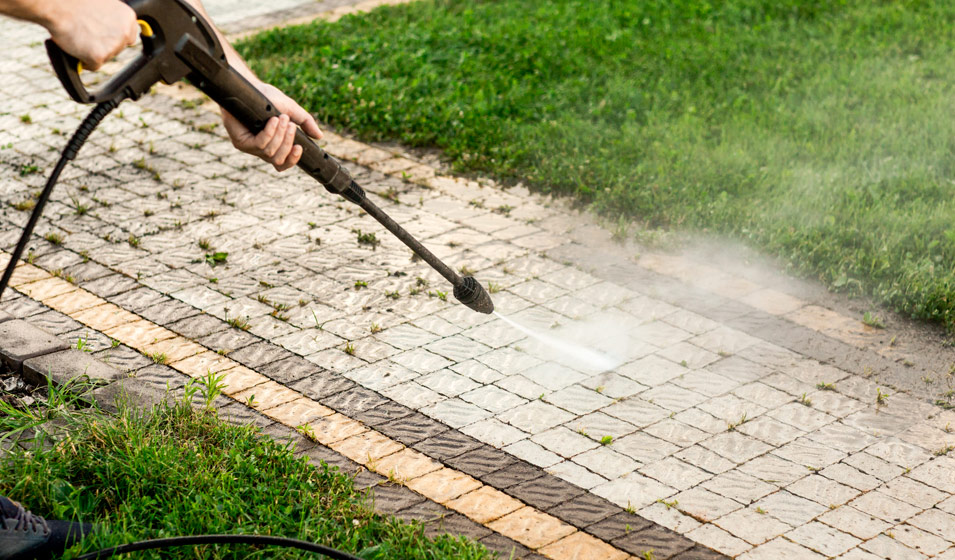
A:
(20, 341)
(68, 365)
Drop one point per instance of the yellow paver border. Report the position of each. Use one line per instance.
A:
(454, 489)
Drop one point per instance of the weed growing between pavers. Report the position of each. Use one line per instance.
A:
(182, 471)
(817, 130)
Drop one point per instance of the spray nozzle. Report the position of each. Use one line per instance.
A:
(472, 294)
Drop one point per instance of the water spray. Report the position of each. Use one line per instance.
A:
(591, 358)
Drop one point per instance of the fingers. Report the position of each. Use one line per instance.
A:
(302, 118)
(285, 148)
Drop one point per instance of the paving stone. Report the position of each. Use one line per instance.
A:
(69, 367)
(662, 542)
(898, 452)
(454, 525)
(167, 311)
(789, 508)
(736, 446)
(354, 400)
(672, 398)
(926, 543)
(584, 510)
(613, 385)
(137, 299)
(823, 539)
(912, 492)
(389, 498)
(617, 525)
(504, 547)
(447, 382)
(938, 473)
(447, 445)
(456, 412)
(383, 414)
(533, 453)
(110, 285)
(553, 376)
(545, 492)
(412, 428)
(318, 386)
(54, 322)
(886, 547)
(675, 473)
(705, 459)
(197, 326)
(484, 460)
(637, 411)
(752, 525)
(844, 438)
(699, 552)
(123, 358)
(935, 521)
(823, 491)
(668, 516)
(850, 476)
(262, 353)
(531, 528)
(494, 432)
(242, 415)
(652, 371)
(780, 549)
(702, 420)
(227, 340)
(535, 417)
(718, 539)
(20, 341)
(814, 455)
(133, 392)
(633, 491)
(874, 466)
(564, 442)
(606, 462)
(739, 486)
(492, 398)
(854, 522)
(576, 474)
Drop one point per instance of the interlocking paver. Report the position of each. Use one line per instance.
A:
(752, 525)
(855, 522)
(926, 543)
(884, 546)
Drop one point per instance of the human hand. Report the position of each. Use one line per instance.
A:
(275, 143)
(93, 31)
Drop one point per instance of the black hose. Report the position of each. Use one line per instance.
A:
(69, 152)
(219, 539)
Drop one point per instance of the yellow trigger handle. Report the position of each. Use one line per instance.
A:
(144, 29)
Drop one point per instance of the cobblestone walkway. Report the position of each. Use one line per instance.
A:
(736, 414)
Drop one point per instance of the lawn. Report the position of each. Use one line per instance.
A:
(821, 132)
(182, 471)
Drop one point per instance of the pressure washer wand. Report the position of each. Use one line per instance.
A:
(179, 43)
(232, 91)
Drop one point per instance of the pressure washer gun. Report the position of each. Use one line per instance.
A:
(179, 43)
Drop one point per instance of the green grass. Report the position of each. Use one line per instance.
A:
(182, 471)
(819, 131)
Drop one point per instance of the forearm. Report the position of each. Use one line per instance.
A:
(235, 60)
(43, 12)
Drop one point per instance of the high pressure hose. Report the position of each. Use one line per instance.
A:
(219, 539)
(79, 138)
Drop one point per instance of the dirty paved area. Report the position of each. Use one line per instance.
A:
(728, 407)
